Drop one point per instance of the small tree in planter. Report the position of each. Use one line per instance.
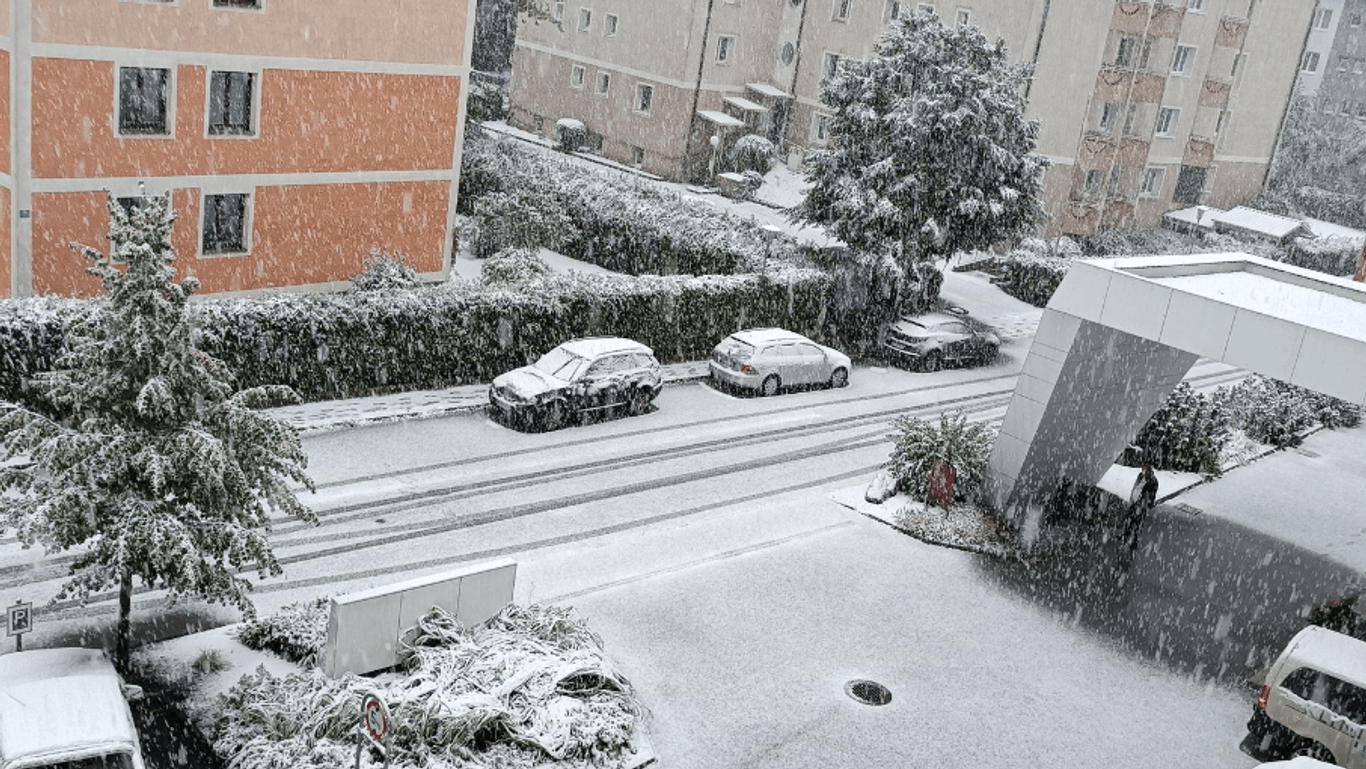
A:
(964, 446)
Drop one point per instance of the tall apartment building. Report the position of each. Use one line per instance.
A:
(293, 135)
(1144, 106)
(1318, 46)
(1341, 92)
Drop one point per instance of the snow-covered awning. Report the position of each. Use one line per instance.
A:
(767, 90)
(1195, 216)
(745, 104)
(720, 118)
(1259, 223)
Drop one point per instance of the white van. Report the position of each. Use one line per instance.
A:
(65, 709)
(1314, 701)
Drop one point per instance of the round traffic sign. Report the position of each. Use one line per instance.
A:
(375, 717)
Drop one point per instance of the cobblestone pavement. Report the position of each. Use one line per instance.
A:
(418, 404)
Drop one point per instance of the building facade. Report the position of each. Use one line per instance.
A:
(1318, 46)
(1144, 106)
(1341, 91)
(293, 135)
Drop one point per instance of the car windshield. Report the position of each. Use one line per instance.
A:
(106, 761)
(561, 364)
(738, 350)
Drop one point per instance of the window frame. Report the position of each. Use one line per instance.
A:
(1124, 57)
(610, 24)
(1091, 183)
(1308, 66)
(927, 8)
(1167, 118)
(167, 129)
(830, 65)
(1109, 114)
(244, 241)
(962, 18)
(1154, 177)
(1323, 19)
(840, 10)
(585, 19)
(253, 106)
(602, 83)
(725, 50)
(820, 128)
(893, 12)
(643, 88)
(579, 73)
(1195, 6)
(1183, 60)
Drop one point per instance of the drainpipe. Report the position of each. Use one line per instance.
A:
(1038, 44)
(796, 71)
(696, 95)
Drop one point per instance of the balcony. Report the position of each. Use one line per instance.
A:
(1231, 33)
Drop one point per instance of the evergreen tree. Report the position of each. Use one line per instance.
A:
(156, 468)
(929, 152)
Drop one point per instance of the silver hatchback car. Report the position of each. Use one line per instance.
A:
(769, 359)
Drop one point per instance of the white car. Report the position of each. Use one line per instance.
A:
(769, 359)
(65, 709)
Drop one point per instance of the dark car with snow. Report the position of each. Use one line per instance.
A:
(934, 340)
(580, 377)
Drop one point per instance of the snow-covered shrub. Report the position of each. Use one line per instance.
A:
(751, 153)
(386, 272)
(32, 337)
(1186, 434)
(530, 687)
(571, 134)
(919, 442)
(296, 632)
(1273, 412)
(519, 219)
(1334, 256)
(1030, 277)
(513, 265)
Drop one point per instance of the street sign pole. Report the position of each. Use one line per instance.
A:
(373, 727)
(19, 621)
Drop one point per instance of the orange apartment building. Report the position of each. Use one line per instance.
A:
(294, 135)
(1144, 105)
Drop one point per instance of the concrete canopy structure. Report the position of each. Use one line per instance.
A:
(1119, 335)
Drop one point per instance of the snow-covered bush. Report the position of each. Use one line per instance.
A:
(529, 687)
(1030, 277)
(919, 442)
(32, 337)
(1186, 434)
(519, 219)
(571, 134)
(386, 272)
(1273, 412)
(751, 153)
(1334, 256)
(296, 632)
(514, 265)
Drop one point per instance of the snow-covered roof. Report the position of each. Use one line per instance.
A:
(1260, 222)
(601, 345)
(1333, 653)
(1200, 216)
(760, 336)
(55, 700)
(1322, 229)
(720, 118)
(745, 104)
(766, 89)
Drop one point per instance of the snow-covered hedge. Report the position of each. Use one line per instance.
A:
(1276, 413)
(530, 686)
(1187, 433)
(625, 225)
(335, 345)
(296, 632)
(1031, 277)
(1335, 256)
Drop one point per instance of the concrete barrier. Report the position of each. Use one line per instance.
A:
(365, 630)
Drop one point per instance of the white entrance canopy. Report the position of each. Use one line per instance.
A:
(1119, 334)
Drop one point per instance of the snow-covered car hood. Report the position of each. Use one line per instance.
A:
(528, 382)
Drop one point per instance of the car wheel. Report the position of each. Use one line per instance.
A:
(839, 378)
(637, 401)
(552, 416)
(934, 362)
(770, 386)
(1315, 750)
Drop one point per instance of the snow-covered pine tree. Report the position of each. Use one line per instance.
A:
(929, 151)
(156, 468)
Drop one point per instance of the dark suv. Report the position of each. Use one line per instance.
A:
(581, 376)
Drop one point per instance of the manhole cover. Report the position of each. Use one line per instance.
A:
(868, 692)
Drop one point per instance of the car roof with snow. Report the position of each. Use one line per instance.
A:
(61, 702)
(595, 346)
(1339, 655)
(763, 336)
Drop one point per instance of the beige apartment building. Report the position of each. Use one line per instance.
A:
(1144, 106)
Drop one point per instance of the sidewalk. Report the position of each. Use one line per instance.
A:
(322, 416)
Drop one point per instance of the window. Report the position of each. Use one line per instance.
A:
(142, 100)
(609, 25)
(604, 81)
(131, 205)
(1195, 5)
(1166, 121)
(820, 128)
(842, 10)
(964, 17)
(1093, 178)
(236, 3)
(1112, 188)
(1355, 19)
(1108, 114)
(1189, 184)
(1145, 55)
(830, 65)
(638, 156)
(1239, 64)
(893, 10)
(225, 218)
(725, 49)
(585, 19)
(1342, 63)
(577, 74)
(925, 8)
(1152, 182)
(1184, 59)
(1323, 18)
(1342, 698)
(558, 14)
(1124, 51)
(230, 103)
(645, 94)
(1310, 62)
(1129, 115)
